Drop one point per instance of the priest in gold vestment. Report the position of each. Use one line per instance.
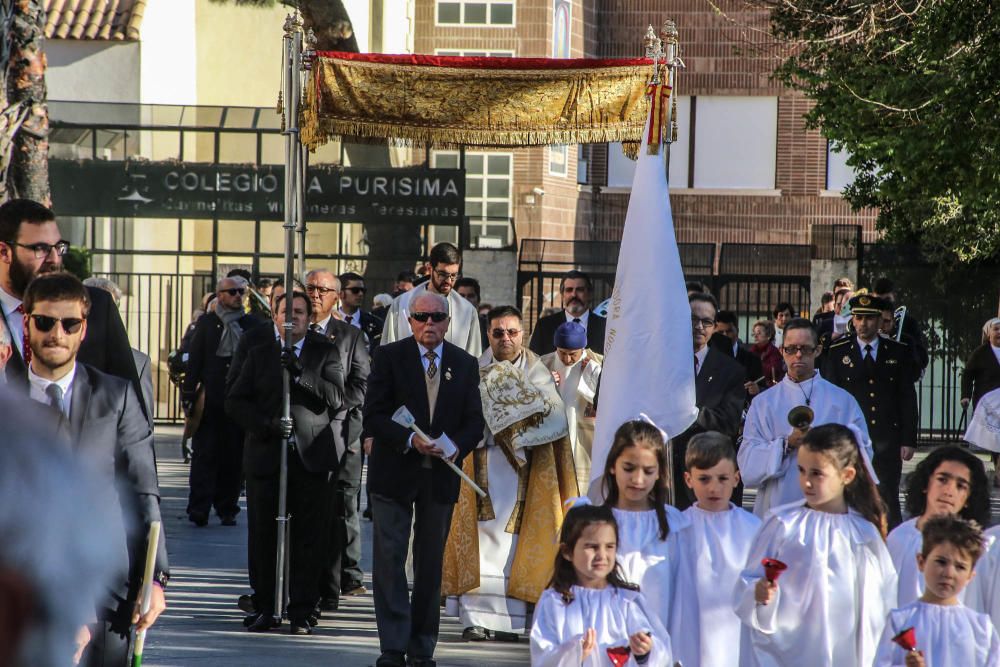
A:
(501, 548)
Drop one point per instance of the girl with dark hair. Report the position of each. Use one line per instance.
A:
(951, 480)
(839, 585)
(589, 610)
(651, 532)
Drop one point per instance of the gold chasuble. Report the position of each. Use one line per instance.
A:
(527, 421)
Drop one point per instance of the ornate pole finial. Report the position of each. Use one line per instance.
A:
(654, 50)
(291, 26)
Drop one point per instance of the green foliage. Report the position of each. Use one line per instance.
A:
(910, 89)
(78, 262)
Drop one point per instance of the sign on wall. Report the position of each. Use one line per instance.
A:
(139, 189)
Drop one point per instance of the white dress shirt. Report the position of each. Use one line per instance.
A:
(321, 326)
(38, 385)
(861, 347)
(583, 318)
(354, 320)
(15, 322)
(439, 350)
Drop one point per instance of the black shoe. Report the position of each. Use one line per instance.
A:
(354, 590)
(367, 514)
(246, 603)
(328, 604)
(312, 620)
(228, 520)
(300, 627)
(390, 659)
(263, 623)
(249, 620)
(475, 633)
(504, 636)
(199, 519)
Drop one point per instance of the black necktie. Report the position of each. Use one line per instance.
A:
(869, 358)
(577, 320)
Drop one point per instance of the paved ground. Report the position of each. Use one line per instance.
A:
(202, 625)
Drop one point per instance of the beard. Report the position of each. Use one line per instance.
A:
(21, 275)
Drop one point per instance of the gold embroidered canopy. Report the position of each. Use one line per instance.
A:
(491, 102)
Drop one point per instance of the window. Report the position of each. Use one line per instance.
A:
(474, 54)
(475, 12)
(838, 173)
(621, 170)
(488, 178)
(558, 160)
(735, 142)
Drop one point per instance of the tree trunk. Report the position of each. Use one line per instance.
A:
(28, 175)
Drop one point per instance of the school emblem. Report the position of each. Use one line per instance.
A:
(864, 301)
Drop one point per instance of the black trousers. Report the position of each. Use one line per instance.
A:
(309, 505)
(109, 646)
(342, 569)
(409, 624)
(889, 468)
(216, 466)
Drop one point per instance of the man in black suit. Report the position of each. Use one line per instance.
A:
(727, 339)
(576, 291)
(103, 420)
(254, 400)
(439, 383)
(31, 244)
(352, 295)
(879, 373)
(216, 474)
(719, 388)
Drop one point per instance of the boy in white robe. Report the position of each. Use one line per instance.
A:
(716, 548)
(944, 631)
(983, 594)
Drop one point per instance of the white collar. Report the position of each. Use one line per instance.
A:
(9, 302)
(439, 350)
(64, 383)
(861, 343)
(701, 354)
(348, 318)
(325, 323)
(583, 318)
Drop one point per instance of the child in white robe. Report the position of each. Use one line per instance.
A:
(650, 532)
(951, 480)
(830, 605)
(589, 610)
(716, 548)
(945, 632)
(983, 594)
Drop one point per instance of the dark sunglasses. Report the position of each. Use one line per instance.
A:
(498, 333)
(70, 325)
(233, 291)
(355, 290)
(434, 317)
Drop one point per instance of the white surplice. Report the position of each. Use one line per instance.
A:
(615, 613)
(983, 592)
(650, 562)
(948, 636)
(577, 387)
(463, 330)
(704, 629)
(904, 543)
(764, 464)
(832, 601)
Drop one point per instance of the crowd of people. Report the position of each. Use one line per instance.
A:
(478, 442)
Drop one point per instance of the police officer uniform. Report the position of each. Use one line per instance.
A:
(880, 375)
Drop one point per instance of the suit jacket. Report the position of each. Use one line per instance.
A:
(545, 328)
(981, 374)
(354, 358)
(887, 398)
(110, 433)
(143, 367)
(255, 398)
(105, 348)
(398, 379)
(205, 368)
(371, 326)
(719, 395)
(750, 362)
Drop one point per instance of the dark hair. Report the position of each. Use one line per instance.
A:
(241, 273)
(575, 274)
(503, 311)
(469, 282)
(802, 323)
(696, 286)
(56, 286)
(706, 450)
(705, 298)
(883, 286)
(444, 253)
(264, 283)
(838, 444)
(727, 317)
(963, 534)
(349, 276)
(977, 508)
(295, 294)
(826, 298)
(782, 307)
(576, 521)
(405, 277)
(16, 211)
(639, 433)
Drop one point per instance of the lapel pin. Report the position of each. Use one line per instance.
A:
(447, 374)
(710, 377)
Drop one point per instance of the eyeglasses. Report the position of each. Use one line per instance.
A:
(42, 250)
(355, 290)
(233, 291)
(434, 317)
(70, 325)
(444, 275)
(792, 350)
(323, 291)
(498, 333)
(703, 323)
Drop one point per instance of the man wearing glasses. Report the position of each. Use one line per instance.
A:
(31, 245)
(768, 456)
(216, 464)
(352, 296)
(463, 329)
(576, 289)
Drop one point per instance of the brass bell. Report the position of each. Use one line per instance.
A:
(801, 417)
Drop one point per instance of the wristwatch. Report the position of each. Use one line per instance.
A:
(161, 578)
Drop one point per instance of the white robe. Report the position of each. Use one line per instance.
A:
(762, 458)
(904, 543)
(983, 592)
(832, 601)
(650, 562)
(949, 636)
(705, 630)
(577, 390)
(462, 331)
(616, 614)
